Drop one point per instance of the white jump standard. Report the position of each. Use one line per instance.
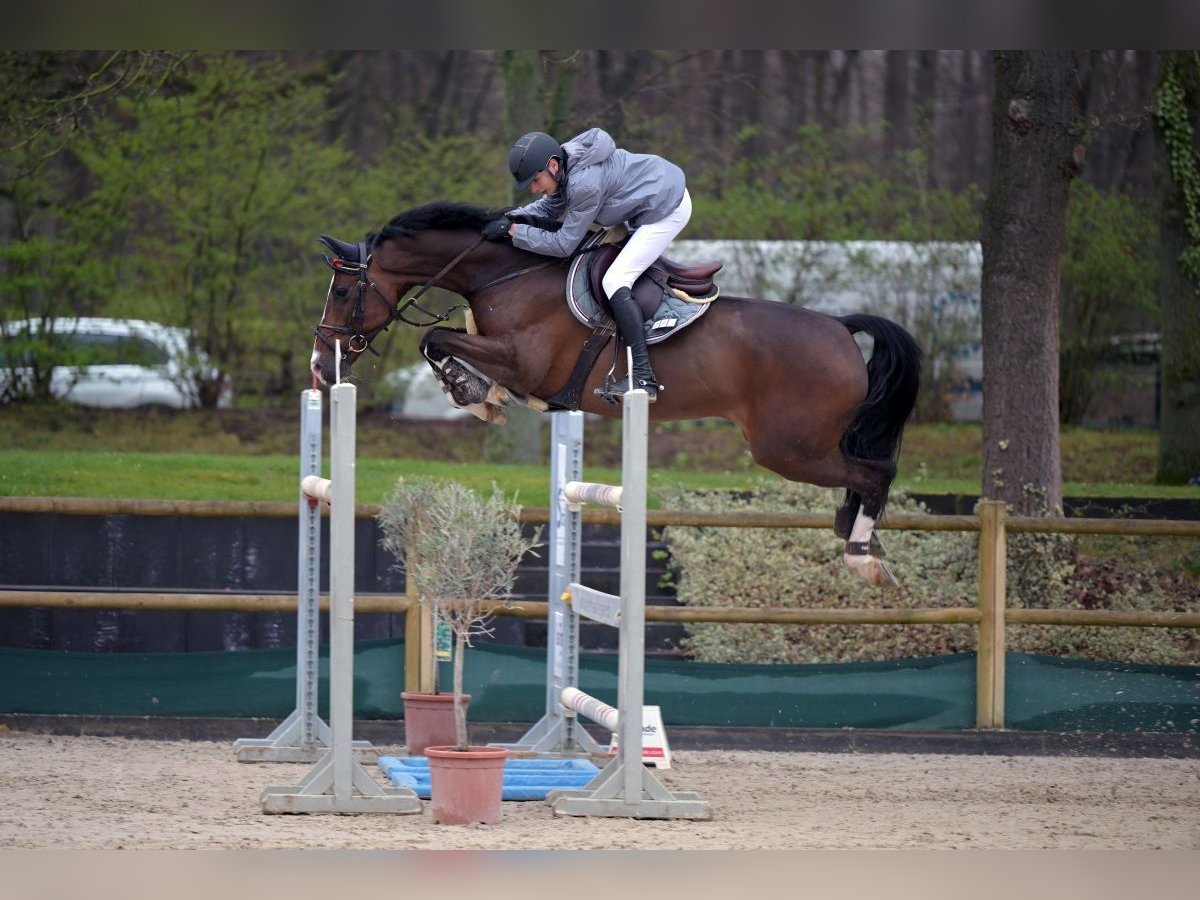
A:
(624, 787)
(337, 783)
(303, 735)
(558, 734)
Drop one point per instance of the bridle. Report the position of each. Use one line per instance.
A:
(357, 342)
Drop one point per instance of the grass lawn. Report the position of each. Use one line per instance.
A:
(191, 476)
(64, 451)
(251, 455)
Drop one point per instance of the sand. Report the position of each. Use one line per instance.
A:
(80, 792)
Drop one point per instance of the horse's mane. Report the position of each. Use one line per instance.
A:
(442, 215)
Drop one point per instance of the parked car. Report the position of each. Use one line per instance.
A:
(115, 363)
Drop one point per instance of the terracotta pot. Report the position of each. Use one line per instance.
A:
(466, 786)
(429, 719)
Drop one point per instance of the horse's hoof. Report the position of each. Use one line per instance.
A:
(876, 546)
(871, 569)
(465, 387)
(488, 412)
(882, 574)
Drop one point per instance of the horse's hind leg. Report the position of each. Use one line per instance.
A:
(865, 498)
(843, 519)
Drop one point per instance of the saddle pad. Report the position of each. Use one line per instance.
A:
(672, 315)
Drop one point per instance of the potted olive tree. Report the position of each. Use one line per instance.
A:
(462, 552)
(429, 718)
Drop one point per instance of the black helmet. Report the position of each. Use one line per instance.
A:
(530, 154)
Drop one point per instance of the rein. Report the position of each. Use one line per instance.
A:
(398, 312)
(358, 342)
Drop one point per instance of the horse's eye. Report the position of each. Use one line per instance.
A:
(341, 292)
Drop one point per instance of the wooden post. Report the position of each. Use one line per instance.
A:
(428, 660)
(989, 678)
(418, 637)
(412, 646)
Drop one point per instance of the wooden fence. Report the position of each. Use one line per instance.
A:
(990, 612)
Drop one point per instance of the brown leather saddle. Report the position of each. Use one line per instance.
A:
(663, 276)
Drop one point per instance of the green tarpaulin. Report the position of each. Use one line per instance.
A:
(507, 684)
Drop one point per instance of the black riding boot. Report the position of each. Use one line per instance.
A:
(629, 321)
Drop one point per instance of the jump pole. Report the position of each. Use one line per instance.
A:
(625, 787)
(338, 783)
(303, 735)
(557, 734)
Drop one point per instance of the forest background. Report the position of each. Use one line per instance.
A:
(188, 188)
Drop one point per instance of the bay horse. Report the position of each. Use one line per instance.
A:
(795, 381)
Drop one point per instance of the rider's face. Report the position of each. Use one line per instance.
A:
(543, 182)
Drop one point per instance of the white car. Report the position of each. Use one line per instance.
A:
(115, 363)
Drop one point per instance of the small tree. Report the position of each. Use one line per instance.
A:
(213, 195)
(462, 552)
(1108, 272)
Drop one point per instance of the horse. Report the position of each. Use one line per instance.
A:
(795, 381)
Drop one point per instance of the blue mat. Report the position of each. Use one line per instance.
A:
(524, 779)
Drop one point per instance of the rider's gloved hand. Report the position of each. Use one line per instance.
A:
(496, 230)
(543, 222)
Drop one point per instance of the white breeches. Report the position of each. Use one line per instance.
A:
(646, 244)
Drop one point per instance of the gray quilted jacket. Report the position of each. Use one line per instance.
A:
(605, 185)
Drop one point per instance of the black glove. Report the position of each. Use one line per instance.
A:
(543, 222)
(496, 230)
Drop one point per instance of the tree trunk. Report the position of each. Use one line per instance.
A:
(1035, 156)
(925, 113)
(896, 105)
(460, 711)
(1177, 125)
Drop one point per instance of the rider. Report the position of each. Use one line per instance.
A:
(590, 180)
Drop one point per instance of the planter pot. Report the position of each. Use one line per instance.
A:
(466, 786)
(429, 719)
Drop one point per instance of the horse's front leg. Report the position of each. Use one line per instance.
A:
(471, 365)
(466, 388)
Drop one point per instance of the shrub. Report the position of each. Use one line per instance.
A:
(802, 568)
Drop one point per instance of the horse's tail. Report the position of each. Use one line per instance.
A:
(893, 378)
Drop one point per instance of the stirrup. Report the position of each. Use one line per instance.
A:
(613, 391)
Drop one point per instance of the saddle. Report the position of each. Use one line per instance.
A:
(670, 295)
(694, 281)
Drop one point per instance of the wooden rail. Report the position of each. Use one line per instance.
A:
(990, 613)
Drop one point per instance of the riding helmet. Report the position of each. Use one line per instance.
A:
(530, 154)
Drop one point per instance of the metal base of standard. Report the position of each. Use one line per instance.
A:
(605, 796)
(556, 737)
(286, 744)
(319, 793)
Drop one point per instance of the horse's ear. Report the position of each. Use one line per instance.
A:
(340, 249)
